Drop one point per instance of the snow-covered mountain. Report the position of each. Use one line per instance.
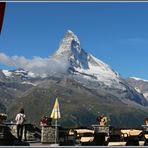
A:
(19, 72)
(84, 64)
(84, 68)
(84, 84)
(77, 62)
(18, 76)
(140, 85)
(92, 72)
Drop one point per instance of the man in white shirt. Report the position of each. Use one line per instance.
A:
(20, 119)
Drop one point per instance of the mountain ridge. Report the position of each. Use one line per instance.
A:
(140, 85)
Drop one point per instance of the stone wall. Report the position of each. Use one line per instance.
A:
(101, 129)
(48, 134)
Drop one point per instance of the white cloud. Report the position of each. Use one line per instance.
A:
(36, 65)
(15, 61)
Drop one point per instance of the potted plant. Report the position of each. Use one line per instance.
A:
(103, 120)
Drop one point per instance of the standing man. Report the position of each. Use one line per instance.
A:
(20, 119)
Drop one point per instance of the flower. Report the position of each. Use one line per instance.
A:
(45, 121)
(103, 120)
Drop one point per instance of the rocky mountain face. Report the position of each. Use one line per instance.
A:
(140, 85)
(87, 69)
(85, 86)
(13, 84)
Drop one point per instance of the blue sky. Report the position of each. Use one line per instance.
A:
(116, 33)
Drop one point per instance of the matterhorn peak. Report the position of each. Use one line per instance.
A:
(71, 36)
(70, 49)
(69, 31)
(69, 42)
(82, 63)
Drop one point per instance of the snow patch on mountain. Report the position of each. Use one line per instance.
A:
(145, 94)
(138, 90)
(139, 79)
(99, 70)
(27, 82)
(7, 73)
(31, 74)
